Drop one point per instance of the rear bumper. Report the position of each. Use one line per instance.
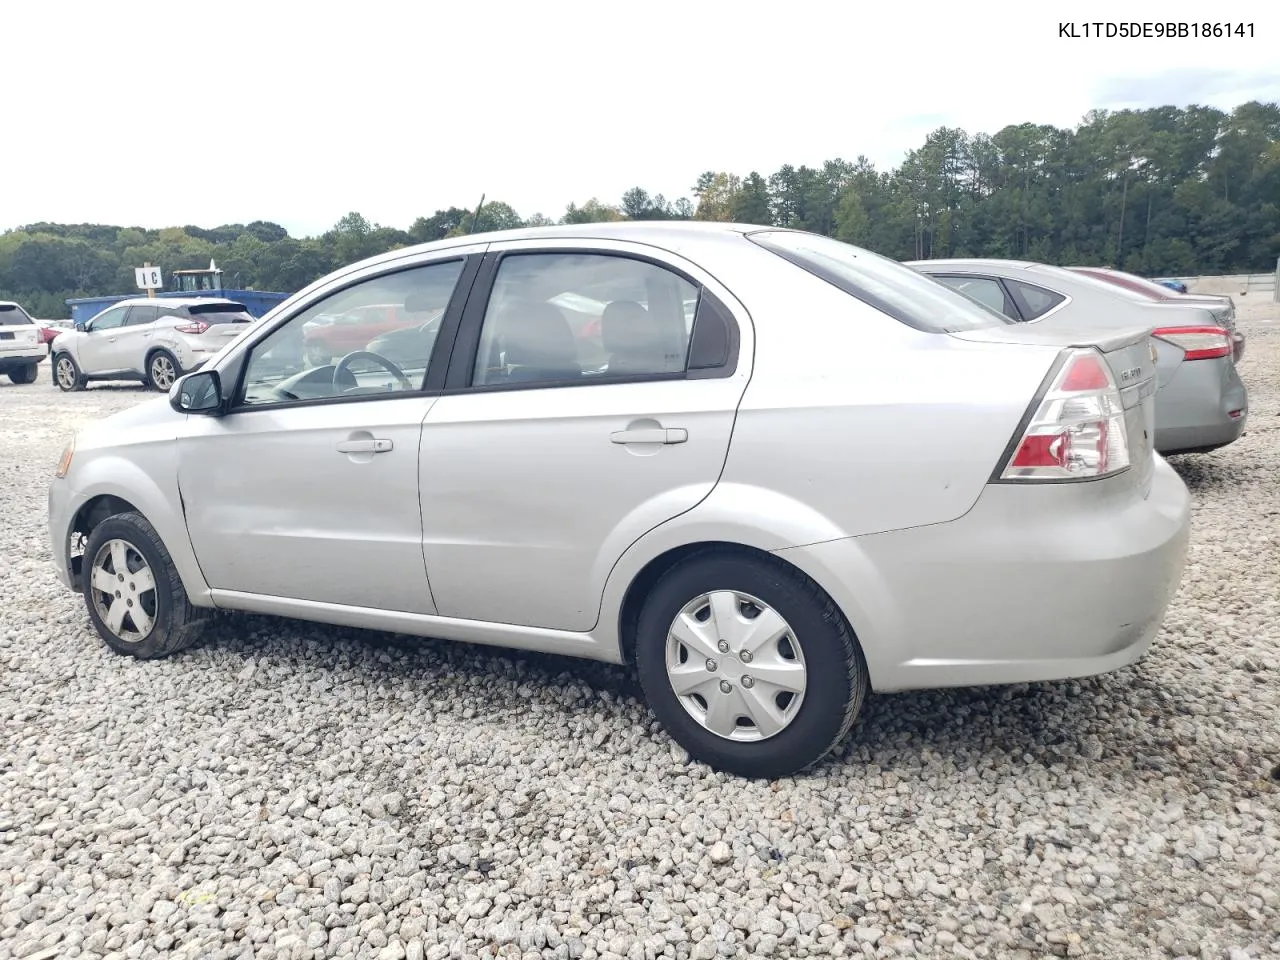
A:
(1194, 409)
(18, 359)
(1034, 583)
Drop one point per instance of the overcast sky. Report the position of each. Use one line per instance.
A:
(264, 110)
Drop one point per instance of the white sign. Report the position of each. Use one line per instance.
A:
(148, 278)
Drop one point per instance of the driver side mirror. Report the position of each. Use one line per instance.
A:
(199, 392)
(81, 326)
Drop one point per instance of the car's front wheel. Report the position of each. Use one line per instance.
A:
(162, 370)
(132, 590)
(748, 664)
(25, 374)
(66, 374)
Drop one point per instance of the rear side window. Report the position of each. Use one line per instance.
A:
(986, 290)
(567, 318)
(902, 293)
(1034, 301)
(12, 315)
(143, 314)
(220, 313)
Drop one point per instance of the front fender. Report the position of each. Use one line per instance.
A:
(159, 502)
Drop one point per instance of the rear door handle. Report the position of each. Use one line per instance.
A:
(364, 446)
(650, 435)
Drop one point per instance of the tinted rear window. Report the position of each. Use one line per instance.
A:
(907, 296)
(12, 315)
(220, 312)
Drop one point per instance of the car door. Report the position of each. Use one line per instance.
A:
(540, 465)
(98, 349)
(130, 347)
(307, 489)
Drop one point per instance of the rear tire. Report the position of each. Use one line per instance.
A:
(803, 642)
(25, 374)
(66, 374)
(162, 370)
(125, 562)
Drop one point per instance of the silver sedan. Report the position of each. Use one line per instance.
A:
(774, 473)
(1203, 403)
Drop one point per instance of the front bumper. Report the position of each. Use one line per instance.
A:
(1042, 582)
(60, 517)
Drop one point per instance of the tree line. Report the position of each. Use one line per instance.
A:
(1161, 191)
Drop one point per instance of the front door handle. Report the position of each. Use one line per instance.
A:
(364, 446)
(650, 435)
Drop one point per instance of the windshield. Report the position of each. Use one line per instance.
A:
(907, 296)
(12, 315)
(220, 312)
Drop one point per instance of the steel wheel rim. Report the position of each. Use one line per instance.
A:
(735, 666)
(123, 588)
(66, 373)
(162, 373)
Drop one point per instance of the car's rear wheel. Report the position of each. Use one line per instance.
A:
(748, 664)
(26, 373)
(66, 374)
(132, 590)
(162, 370)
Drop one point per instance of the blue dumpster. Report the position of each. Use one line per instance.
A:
(257, 302)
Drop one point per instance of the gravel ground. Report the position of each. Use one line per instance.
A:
(287, 790)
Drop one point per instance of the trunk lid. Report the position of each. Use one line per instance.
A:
(1129, 354)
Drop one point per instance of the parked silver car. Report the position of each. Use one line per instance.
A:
(842, 475)
(154, 340)
(1203, 403)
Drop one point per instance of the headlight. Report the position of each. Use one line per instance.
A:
(64, 462)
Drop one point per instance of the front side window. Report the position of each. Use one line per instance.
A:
(570, 318)
(111, 319)
(902, 293)
(375, 337)
(986, 290)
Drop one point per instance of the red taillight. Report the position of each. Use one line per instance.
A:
(1200, 343)
(1086, 372)
(1077, 431)
(198, 326)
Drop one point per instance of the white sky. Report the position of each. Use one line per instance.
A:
(276, 111)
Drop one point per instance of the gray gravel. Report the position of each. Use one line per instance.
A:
(286, 790)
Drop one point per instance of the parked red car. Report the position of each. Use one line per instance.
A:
(1222, 308)
(331, 336)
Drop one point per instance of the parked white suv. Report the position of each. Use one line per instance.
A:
(21, 346)
(154, 340)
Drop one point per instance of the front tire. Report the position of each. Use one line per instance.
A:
(133, 593)
(748, 664)
(25, 374)
(66, 374)
(162, 370)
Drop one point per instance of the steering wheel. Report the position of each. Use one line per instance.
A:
(343, 365)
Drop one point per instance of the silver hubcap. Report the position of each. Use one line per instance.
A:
(66, 373)
(124, 591)
(735, 666)
(162, 371)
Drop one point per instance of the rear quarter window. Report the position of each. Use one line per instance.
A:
(907, 296)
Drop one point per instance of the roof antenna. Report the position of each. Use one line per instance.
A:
(476, 216)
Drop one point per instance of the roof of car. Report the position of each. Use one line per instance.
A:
(974, 262)
(168, 301)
